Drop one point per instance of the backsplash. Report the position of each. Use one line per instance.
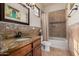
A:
(9, 30)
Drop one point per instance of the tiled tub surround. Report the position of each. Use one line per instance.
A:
(9, 30)
(57, 24)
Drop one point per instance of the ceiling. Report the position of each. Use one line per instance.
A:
(49, 4)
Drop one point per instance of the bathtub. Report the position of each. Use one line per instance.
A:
(56, 42)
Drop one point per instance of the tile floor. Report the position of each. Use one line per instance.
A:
(55, 52)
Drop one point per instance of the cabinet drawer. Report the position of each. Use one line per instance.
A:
(36, 43)
(22, 51)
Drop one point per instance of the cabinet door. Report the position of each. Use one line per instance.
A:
(23, 51)
(37, 51)
(29, 54)
(36, 43)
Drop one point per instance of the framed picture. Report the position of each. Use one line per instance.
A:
(16, 12)
(36, 11)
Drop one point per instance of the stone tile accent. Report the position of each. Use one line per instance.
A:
(9, 30)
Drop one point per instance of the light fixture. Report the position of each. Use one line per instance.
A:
(31, 5)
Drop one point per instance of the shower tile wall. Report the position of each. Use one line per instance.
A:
(57, 26)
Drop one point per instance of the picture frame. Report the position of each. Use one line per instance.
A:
(36, 11)
(16, 14)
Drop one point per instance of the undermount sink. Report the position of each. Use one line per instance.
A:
(22, 39)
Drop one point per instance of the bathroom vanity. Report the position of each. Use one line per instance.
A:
(30, 47)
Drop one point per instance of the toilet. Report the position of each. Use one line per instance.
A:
(45, 45)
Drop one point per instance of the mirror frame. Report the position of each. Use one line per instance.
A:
(2, 14)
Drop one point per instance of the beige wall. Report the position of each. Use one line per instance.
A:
(35, 20)
(73, 30)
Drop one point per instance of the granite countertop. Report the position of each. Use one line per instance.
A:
(13, 45)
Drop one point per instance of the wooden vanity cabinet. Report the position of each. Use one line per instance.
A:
(37, 48)
(22, 51)
(36, 43)
(32, 49)
(37, 51)
(29, 54)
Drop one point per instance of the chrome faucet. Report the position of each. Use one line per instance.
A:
(18, 35)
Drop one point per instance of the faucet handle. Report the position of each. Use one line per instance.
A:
(19, 33)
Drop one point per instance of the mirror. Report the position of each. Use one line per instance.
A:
(15, 12)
